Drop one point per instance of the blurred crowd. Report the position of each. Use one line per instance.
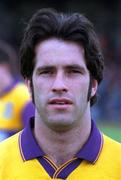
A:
(108, 107)
(16, 106)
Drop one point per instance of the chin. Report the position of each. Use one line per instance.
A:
(60, 127)
(60, 124)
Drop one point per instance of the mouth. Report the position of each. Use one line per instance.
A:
(60, 102)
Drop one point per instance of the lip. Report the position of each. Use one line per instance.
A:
(60, 101)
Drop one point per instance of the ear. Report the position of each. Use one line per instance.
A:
(94, 87)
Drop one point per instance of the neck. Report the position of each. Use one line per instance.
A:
(62, 146)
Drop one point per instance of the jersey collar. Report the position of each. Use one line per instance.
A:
(30, 149)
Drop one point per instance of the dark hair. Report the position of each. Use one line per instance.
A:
(48, 23)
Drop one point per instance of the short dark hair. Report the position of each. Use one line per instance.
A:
(75, 27)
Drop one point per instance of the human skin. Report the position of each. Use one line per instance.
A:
(60, 87)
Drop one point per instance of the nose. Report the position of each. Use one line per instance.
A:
(59, 84)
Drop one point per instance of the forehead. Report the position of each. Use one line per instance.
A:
(59, 51)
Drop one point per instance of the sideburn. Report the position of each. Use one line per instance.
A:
(32, 91)
(89, 90)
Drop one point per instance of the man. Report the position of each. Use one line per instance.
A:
(15, 102)
(63, 65)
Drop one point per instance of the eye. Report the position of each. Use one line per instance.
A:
(46, 72)
(74, 71)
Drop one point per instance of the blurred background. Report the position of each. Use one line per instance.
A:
(106, 17)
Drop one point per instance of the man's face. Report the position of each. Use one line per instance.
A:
(60, 84)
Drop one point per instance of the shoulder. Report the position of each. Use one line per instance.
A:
(111, 150)
(108, 163)
(109, 142)
(9, 148)
(10, 158)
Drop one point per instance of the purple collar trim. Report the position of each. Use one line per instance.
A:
(28, 146)
(30, 149)
(92, 148)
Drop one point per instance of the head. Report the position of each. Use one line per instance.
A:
(46, 24)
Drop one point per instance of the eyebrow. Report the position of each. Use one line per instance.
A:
(47, 67)
(53, 67)
(75, 66)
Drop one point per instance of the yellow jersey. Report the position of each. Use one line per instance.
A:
(15, 108)
(21, 158)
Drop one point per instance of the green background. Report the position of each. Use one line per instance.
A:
(113, 131)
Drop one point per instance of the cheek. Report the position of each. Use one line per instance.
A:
(80, 91)
(39, 98)
(80, 87)
(40, 92)
(42, 85)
